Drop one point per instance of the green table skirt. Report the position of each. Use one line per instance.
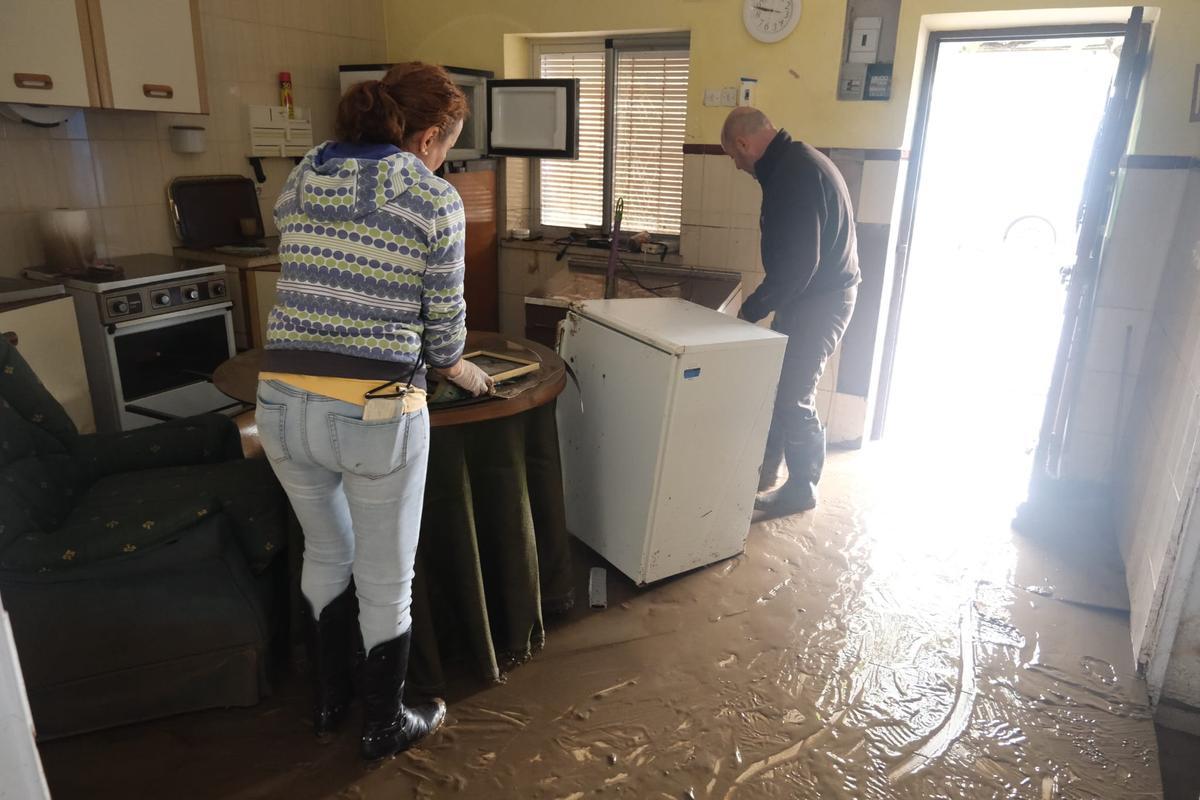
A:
(494, 554)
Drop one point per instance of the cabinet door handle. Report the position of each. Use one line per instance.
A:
(158, 90)
(32, 80)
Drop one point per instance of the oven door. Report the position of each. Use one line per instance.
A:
(163, 365)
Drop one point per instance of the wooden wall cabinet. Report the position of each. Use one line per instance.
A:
(138, 55)
(46, 54)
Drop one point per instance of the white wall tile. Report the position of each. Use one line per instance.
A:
(747, 194)
(743, 251)
(824, 405)
(74, 173)
(718, 176)
(1096, 404)
(74, 128)
(714, 248)
(1147, 210)
(877, 197)
(155, 224)
(1106, 347)
(122, 230)
(847, 419)
(691, 201)
(1088, 456)
(33, 174)
(146, 173)
(689, 244)
(114, 173)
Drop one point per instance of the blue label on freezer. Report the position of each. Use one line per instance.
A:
(691, 374)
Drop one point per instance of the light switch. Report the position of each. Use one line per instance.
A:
(729, 96)
(712, 97)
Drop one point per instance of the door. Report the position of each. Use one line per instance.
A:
(46, 54)
(149, 55)
(1005, 125)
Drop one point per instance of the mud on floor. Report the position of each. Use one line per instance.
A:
(889, 645)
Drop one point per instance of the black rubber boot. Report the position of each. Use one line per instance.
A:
(805, 452)
(330, 643)
(389, 726)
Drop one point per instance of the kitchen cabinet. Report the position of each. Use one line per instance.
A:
(46, 53)
(477, 188)
(47, 335)
(140, 55)
(149, 55)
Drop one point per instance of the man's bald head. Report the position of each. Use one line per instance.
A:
(745, 136)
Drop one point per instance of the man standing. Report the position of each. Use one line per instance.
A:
(810, 257)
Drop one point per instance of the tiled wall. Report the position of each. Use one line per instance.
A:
(1158, 288)
(117, 164)
(1135, 257)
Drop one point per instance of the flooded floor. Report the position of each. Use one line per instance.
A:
(898, 642)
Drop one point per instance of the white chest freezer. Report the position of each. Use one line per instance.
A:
(660, 464)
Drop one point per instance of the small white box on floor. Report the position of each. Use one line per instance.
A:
(660, 461)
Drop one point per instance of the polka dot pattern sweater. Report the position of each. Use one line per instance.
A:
(371, 252)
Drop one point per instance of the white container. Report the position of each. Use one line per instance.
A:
(660, 465)
(188, 139)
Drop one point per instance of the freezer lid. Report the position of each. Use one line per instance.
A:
(673, 325)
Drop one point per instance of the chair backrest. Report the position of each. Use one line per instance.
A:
(38, 476)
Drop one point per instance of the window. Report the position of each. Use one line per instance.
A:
(648, 111)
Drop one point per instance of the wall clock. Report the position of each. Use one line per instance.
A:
(770, 20)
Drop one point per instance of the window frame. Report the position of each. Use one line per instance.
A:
(611, 46)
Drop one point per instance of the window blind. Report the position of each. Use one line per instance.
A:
(651, 111)
(572, 192)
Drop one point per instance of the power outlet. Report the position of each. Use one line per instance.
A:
(729, 96)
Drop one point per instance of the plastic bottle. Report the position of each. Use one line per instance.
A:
(285, 93)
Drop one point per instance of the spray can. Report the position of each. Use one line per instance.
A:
(285, 93)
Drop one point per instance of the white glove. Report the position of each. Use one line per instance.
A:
(469, 378)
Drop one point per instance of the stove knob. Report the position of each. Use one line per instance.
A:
(217, 289)
(162, 299)
(120, 307)
(192, 294)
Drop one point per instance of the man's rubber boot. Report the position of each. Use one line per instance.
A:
(805, 459)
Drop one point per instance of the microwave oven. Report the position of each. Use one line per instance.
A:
(531, 118)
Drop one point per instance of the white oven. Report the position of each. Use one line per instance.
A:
(153, 331)
(162, 366)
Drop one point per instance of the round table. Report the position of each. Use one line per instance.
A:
(494, 550)
(238, 378)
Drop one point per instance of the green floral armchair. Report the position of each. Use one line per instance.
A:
(140, 570)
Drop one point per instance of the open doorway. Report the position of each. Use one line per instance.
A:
(1003, 157)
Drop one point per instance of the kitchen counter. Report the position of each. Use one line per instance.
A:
(233, 260)
(711, 289)
(547, 306)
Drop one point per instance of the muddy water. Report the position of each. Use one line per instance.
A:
(886, 646)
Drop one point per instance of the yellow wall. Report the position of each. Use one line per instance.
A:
(471, 33)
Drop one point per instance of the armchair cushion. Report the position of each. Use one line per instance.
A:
(205, 439)
(84, 541)
(24, 397)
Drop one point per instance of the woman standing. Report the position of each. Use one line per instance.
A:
(370, 292)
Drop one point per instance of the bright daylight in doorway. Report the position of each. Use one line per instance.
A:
(1009, 136)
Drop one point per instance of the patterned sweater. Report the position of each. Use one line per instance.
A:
(371, 248)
